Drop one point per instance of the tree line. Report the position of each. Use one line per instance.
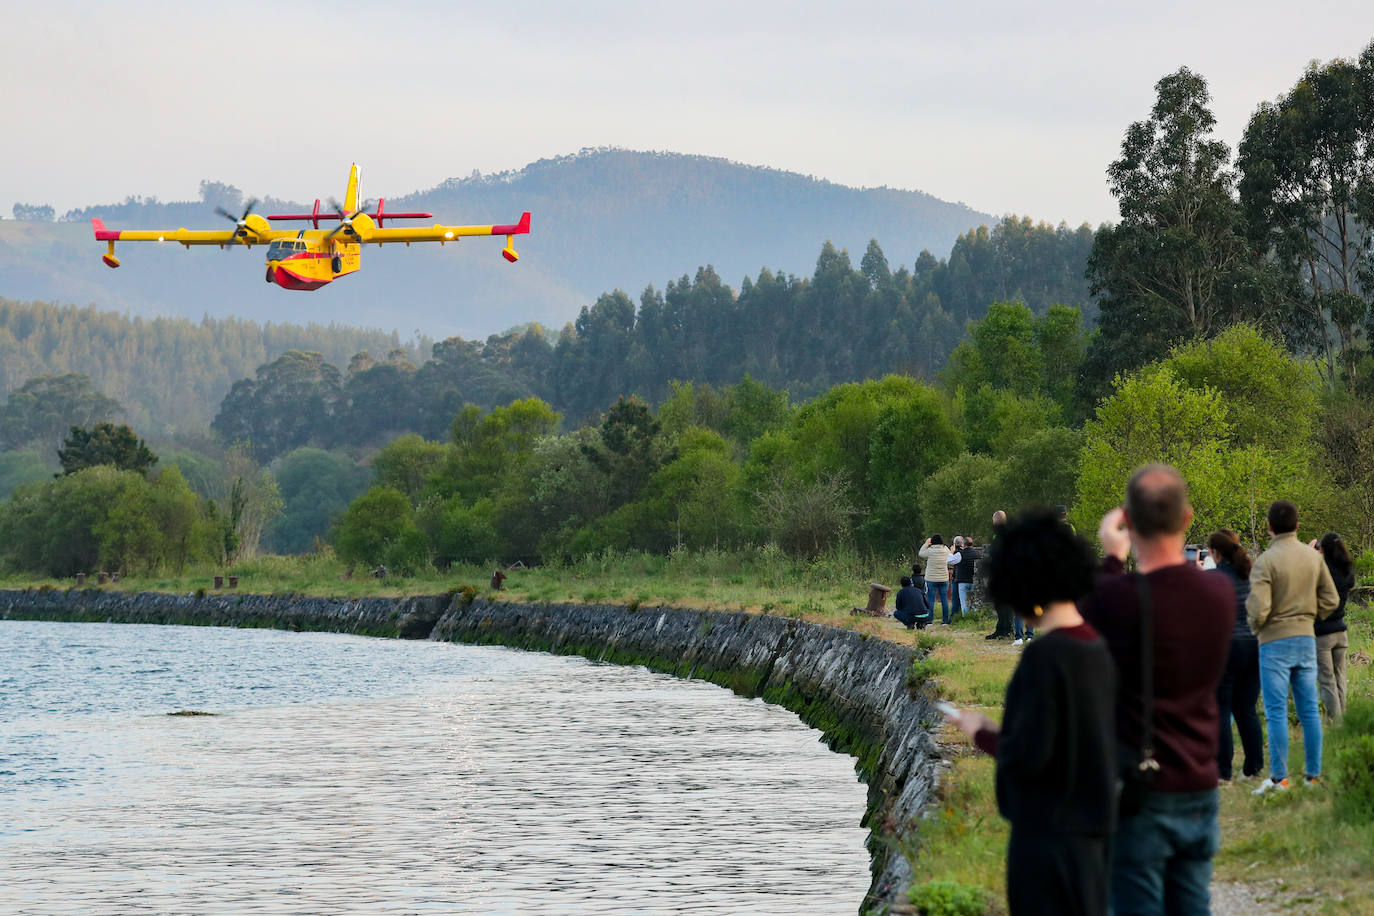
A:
(779, 330)
(167, 374)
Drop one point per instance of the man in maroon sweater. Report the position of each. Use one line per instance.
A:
(1162, 855)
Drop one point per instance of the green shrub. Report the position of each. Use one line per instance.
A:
(949, 898)
(924, 669)
(1352, 763)
(929, 642)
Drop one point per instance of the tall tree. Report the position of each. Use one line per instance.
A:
(41, 410)
(1177, 264)
(1307, 186)
(105, 444)
(293, 401)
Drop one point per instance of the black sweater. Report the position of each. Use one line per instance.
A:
(1335, 621)
(1056, 752)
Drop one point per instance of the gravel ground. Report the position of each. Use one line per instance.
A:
(1231, 898)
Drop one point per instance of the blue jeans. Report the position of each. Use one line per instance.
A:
(942, 590)
(1284, 663)
(1021, 630)
(965, 591)
(1162, 856)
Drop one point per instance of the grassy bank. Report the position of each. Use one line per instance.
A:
(761, 580)
(1294, 852)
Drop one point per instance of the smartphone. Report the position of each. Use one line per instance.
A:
(949, 709)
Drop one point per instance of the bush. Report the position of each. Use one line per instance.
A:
(949, 898)
(373, 524)
(1352, 763)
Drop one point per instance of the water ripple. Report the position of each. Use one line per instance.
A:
(371, 776)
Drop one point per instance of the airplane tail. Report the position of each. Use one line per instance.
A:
(353, 196)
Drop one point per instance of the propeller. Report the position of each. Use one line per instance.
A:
(345, 220)
(240, 222)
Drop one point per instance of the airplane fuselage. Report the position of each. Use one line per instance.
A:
(305, 263)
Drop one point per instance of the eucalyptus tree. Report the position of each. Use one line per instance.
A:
(1178, 264)
(1307, 187)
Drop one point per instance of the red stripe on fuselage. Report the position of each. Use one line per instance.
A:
(289, 279)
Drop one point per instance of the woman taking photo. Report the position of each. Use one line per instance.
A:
(1239, 689)
(1332, 639)
(1056, 748)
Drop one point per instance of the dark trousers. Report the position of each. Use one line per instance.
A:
(1056, 874)
(956, 606)
(1236, 696)
(1004, 620)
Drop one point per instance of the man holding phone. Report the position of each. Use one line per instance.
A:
(1164, 850)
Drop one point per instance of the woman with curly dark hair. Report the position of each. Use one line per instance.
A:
(1056, 747)
(1239, 689)
(1332, 639)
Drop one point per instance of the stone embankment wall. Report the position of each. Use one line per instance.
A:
(854, 689)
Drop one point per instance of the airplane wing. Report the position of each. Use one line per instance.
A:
(440, 233)
(185, 236)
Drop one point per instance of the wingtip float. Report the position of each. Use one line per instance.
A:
(307, 259)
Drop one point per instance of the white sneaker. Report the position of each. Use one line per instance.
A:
(1018, 642)
(1271, 785)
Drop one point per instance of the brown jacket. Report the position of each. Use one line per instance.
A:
(1290, 588)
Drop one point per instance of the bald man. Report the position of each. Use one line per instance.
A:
(1162, 853)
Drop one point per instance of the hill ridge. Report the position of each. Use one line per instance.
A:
(604, 219)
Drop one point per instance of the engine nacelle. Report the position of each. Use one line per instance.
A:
(256, 225)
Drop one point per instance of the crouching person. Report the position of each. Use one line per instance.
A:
(912, 607)
(1056, 748)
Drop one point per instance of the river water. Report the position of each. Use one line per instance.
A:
(341, 774)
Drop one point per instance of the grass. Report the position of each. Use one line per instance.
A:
(1291, 846)
(1295, 841)
(761, 580)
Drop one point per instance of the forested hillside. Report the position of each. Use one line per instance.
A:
(168, 374)
(603, 219)
(844, 322)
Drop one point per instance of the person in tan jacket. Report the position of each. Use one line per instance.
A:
(936, 555)
(1290, 588)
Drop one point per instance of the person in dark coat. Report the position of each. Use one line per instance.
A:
(1056, 748)
(1239, 689)
(912, 607)
(1004, 628)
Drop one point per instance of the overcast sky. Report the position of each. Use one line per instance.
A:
(1006, 106)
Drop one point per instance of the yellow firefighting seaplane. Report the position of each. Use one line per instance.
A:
(310, 258)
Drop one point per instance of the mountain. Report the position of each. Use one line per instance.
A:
(603, 220)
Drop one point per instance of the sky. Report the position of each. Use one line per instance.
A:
(1009, 107)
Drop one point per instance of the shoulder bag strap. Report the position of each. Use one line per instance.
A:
(1147, 673)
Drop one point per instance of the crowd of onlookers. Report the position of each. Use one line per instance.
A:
(1116, 728)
